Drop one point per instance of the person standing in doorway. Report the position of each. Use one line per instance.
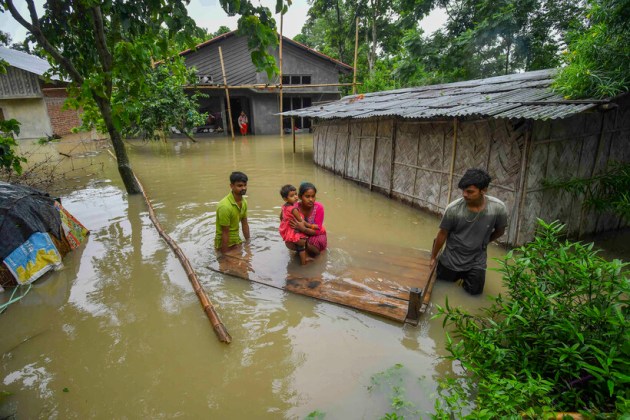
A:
(469, 224)
(232, 211)
(243, 123)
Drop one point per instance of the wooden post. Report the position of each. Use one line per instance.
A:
(415, 303)
(345, 163)
(280, 76)
(393, 157)
(374, 156)
(356, 47)
(522, 183)
(293, 131)
(227, 94)
(453, 156)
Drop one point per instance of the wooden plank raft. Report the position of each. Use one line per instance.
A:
(395, 284)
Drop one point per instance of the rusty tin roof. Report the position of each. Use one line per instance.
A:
(521, 95)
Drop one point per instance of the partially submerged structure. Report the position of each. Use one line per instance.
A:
(301, 65)
(35, 233)
(414, 144)
(37, 103)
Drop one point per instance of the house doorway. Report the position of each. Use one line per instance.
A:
(241, 104)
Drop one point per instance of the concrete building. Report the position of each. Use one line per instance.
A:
(25, 95)
(301, 65)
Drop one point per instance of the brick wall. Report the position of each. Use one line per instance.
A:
(61, 121)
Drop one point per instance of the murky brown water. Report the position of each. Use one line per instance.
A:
(120, 329)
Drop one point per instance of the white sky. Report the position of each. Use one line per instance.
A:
(208, 14)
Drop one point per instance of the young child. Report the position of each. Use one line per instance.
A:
(289, 211)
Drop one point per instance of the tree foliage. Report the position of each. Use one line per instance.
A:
(481, 38)
(100, 46)
(161, 104)
(9, 159)
(558, 340)
(597, 58)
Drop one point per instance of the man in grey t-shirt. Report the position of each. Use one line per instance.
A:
(469, 224)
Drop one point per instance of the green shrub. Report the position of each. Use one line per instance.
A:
(557, 342)
(9, 161)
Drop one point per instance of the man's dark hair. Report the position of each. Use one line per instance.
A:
(477, 177)
(305, 186)
(238, 177)
(286, 189)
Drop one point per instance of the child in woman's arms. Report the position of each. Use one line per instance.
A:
(289, 211)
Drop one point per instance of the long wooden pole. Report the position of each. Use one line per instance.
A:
(522, 187)
(227, 94)
(453, 156)
(293, 131)
(219, 329)
(280, 76)
(356, 48)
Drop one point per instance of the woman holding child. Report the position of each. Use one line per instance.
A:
(311, 225)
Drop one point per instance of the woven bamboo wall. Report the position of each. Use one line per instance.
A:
(517, 155)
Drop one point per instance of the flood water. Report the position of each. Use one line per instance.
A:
(119, 332)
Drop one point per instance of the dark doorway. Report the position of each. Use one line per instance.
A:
(240, 104)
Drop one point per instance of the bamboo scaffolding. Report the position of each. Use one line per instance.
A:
(220, 330)
(356, 48)
(280, 78)
(227, 93)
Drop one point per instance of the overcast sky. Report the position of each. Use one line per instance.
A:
(208, 14)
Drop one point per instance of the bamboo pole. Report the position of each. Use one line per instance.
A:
(220, 330)
(227, 94)
(393, 157)
(293, 131)
(280, 91)
(374, 156)
(522, 187)
(453, 156)
(356, 48)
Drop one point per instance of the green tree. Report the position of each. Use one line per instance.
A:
(162, 104)
(101, 45)
(597, 57)
(222, 30)
(557, 341)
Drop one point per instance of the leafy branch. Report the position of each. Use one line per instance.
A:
(609, 191)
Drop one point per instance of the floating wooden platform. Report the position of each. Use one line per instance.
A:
(395, 283)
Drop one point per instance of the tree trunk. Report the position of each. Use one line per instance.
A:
(124, 168)
(507, 57)
(339, 28)
(372, 53)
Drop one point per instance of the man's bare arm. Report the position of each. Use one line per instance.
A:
(497, 234)
(245, 226)
(225, 238)
(438, 243)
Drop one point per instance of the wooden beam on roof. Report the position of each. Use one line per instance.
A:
(265, 87)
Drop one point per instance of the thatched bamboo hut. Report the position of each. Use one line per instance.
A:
(414, 144)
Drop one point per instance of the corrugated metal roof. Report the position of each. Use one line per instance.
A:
(24, 61)
(522, 95)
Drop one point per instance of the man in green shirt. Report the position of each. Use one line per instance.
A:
(231, 211)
